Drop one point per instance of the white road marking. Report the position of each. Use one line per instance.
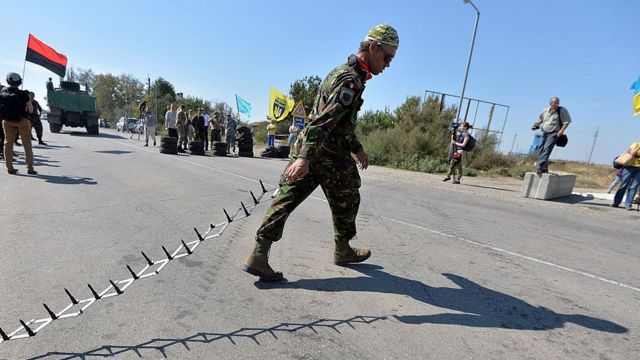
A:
(579, 272)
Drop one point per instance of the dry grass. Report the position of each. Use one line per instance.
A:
(589, 176)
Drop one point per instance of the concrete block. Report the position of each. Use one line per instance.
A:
(548, 186)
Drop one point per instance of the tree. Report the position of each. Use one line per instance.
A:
(306, 90)
(87, 78)
(160, 96)
(107, 98)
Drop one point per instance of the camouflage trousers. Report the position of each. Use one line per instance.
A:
(182, 137)
(340, 183)
(455, 168)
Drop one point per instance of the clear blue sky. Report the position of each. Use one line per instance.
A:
(584, 52)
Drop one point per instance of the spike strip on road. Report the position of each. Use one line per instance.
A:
(32, 327)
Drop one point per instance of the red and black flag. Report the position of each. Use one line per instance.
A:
(45, 56)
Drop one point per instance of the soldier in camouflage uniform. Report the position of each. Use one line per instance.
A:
(322, 155)
(181, 126)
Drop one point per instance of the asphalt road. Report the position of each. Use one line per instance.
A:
(458, 272)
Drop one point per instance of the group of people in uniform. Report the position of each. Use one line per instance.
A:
(187, 125)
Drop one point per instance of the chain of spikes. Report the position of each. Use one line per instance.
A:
(76, 307)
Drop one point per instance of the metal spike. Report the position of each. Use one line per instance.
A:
(29, 331)
(255, 201)
(187, 248)
(135, 277)
(247, 213)
(167, 253)
(51, 313)
(73, 300)
(4, 335)
(264, 191)
(197, 233)
(229, 219)
(116, 288)
(95, 294)
(147, 258)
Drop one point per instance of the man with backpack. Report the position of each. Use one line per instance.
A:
(15, 109)
(461, 141)
(553, 121)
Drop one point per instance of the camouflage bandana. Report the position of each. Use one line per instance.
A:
(384, 34)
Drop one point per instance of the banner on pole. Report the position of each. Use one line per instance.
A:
(45, 56)
(243, 106)
(280, 105)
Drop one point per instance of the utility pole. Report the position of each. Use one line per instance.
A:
(595, 137)
(513, 143)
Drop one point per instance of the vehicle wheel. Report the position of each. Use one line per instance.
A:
(93, 130)
(55, 128)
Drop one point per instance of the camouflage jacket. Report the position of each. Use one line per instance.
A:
(330, 133)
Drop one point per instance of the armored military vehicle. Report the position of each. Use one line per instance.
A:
(69, 106)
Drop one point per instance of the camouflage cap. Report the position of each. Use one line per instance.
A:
(384, 34)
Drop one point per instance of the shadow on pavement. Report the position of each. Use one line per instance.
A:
(572, 199)
(490, 187)
(64, 180)
(113, 152)
(482, 307)
(49, 146)
(101, 135)
(159, 346)
(40, 160)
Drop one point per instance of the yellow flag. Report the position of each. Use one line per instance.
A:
(636, 105)
(280, 105)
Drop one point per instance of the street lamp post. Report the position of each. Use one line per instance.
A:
(473, 41)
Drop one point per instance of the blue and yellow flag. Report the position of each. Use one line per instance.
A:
(280, 105)
(243, 106)
(636, 99)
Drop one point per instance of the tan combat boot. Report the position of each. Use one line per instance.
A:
(350, 255)
(258, 265)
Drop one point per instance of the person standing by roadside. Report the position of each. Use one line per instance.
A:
(459, 142)
(232, 126)
(189, 125)
(198, 125)
(17, 107)
(36, 123)
(181, 127)
(215, 126)
(150, 127)
(271, 134)
(293, 135)
(205, 133)
(170, 121)
(630, 179)
(554, 121)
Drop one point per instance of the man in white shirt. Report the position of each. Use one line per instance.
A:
(170, 121)
(206, 130)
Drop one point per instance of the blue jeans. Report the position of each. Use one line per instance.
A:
(547, 142)
(271, 140)
(292, 139)
(630, 180)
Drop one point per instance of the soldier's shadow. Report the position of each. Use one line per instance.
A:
(476, 306)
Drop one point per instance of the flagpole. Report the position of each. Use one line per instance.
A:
(24, 65)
